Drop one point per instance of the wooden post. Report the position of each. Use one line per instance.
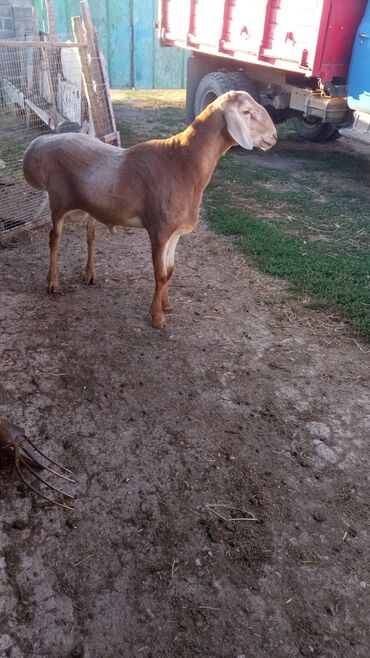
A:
(23, 62)
(87, 77)
(95, 79)
(36, 43)
(33, 58)
(46, 58)
(33, 55)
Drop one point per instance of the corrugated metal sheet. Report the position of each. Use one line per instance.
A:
(128, 41)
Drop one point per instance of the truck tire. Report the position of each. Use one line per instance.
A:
(313, 129)
(211, 87)
(243, 83)
(217, 83)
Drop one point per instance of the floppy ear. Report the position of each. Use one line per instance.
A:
(238, 127)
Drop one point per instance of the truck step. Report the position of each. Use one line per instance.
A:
(357, 135)
(360, 130)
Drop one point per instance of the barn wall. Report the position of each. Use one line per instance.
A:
(128, 41)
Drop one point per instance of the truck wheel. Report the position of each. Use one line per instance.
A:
(313, 129)
(211, 87)
(243, 83)
(215, 84)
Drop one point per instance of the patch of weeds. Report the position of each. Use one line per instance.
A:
(313, 210)
(341, 283)
(317, 236)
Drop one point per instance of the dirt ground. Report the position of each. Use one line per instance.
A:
(247, 406)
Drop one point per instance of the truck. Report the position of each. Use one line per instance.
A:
(304, 60)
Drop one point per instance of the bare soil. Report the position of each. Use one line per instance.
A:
(222, 464)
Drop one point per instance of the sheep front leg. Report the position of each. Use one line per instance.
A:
(161, 278)
(55, 233)
(90, 266)
(166, 303)
(170, 263)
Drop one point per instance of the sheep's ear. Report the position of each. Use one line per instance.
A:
(238, 127)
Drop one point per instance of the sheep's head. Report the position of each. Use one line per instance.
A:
(247, 122)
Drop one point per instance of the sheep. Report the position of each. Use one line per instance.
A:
(156, 185)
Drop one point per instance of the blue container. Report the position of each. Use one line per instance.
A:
(359, 72)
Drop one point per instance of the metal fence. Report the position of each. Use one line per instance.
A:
(40, 92)
(47, 86)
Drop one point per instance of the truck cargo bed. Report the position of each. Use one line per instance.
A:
(312, 38)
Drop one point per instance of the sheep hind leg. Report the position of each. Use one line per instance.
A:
(170, 263)
(57, 218)
(160, 275)
(90, 235)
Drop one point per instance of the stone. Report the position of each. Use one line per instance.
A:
(6, 643)
(326, 454)
(318, 430)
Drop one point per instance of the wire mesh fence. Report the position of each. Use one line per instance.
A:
(48, 84)
(41, 91)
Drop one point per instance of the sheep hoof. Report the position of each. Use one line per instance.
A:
(53, 288)
(90, 281)
(158, 321)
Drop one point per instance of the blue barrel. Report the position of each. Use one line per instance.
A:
(359, 72)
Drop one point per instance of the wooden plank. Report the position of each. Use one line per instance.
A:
(23, 61)
(114, 137)
(46, 45)
(91, 74)
(95, 82)
(51, 86)
(97, 66)
(14, 94)
(46, 115)
(32, 55)
(85, 68)
(70, 104)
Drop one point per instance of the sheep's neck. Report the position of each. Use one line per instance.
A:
(205, 141)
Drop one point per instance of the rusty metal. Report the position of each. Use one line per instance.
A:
(26, 458)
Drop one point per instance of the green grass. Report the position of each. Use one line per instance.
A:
(303, 204)
(340, 282)
(311, 227)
